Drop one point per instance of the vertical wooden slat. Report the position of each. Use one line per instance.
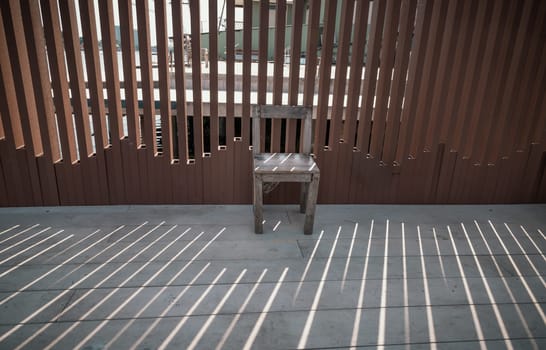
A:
(407, 19)
(539, 133)
(2, 133)
(79, 100)
(311, 56)
(132, 142)
(429, 72)
(129, 72)
(324, 156)
(180, 176)
(424, 11)
(213, 74)
(262, 61)
(444, 76)
(40, 75)
(230, 73)
(233, 149)
(106, 179)
(325, 69)
(335, 143)
(196, 78)
(246, 191)
(15, 171)
(166, 158)
(148, 104)
(115, 160)
(11, 121)
(196, 191)
(494, 58)
(148, 101)
(111, 71)
(75, 71)
(456, 138)
(311, 52)
(535, 37)
(92, 63)
(247, 68)
(370, 77)
(4, 201)
(390, 34)
(538, 95)
(340, 80)
(44, 102)
(294, 75)
(164, 79)
(355, 77)
(14, 31)
(212, 190)
(74, 193)
(494, 144)
(460, 65)
(278, 72)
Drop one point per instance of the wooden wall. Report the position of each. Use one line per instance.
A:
(415, 101)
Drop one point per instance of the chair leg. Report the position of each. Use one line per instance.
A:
(258, 204)
(303, 196)
(311, 204)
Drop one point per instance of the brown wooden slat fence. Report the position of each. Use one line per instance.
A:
(415, 101)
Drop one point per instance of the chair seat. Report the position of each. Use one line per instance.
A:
(284, 163)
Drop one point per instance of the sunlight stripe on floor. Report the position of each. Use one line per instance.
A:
(439, 255)
(475, 318)
(58, 297)
(241, 310)
(62, 252)
(23, 241)
(304, 274)
(500, 272)
(18, 265)
(116, 289)
(161, 315)
(30, 284)
(428, 306)
(310, 318)
(539, 275)
(190, 312)
(360, 302)
(521, 277)
(491, 297)
(157, 295)
(349, 257)
(533, 242)
(215, 312)
(8, 229)
(263, 314)
(383, 311)
(405, 289)
(13, 256)
(19, 233)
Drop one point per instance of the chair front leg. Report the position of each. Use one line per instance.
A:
(258, 204)
(311, 204)
(303, 196)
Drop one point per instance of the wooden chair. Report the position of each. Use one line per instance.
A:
(285, 167)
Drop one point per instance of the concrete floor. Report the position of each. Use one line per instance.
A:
(148, 277)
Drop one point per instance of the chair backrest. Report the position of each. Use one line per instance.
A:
(282, 112)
